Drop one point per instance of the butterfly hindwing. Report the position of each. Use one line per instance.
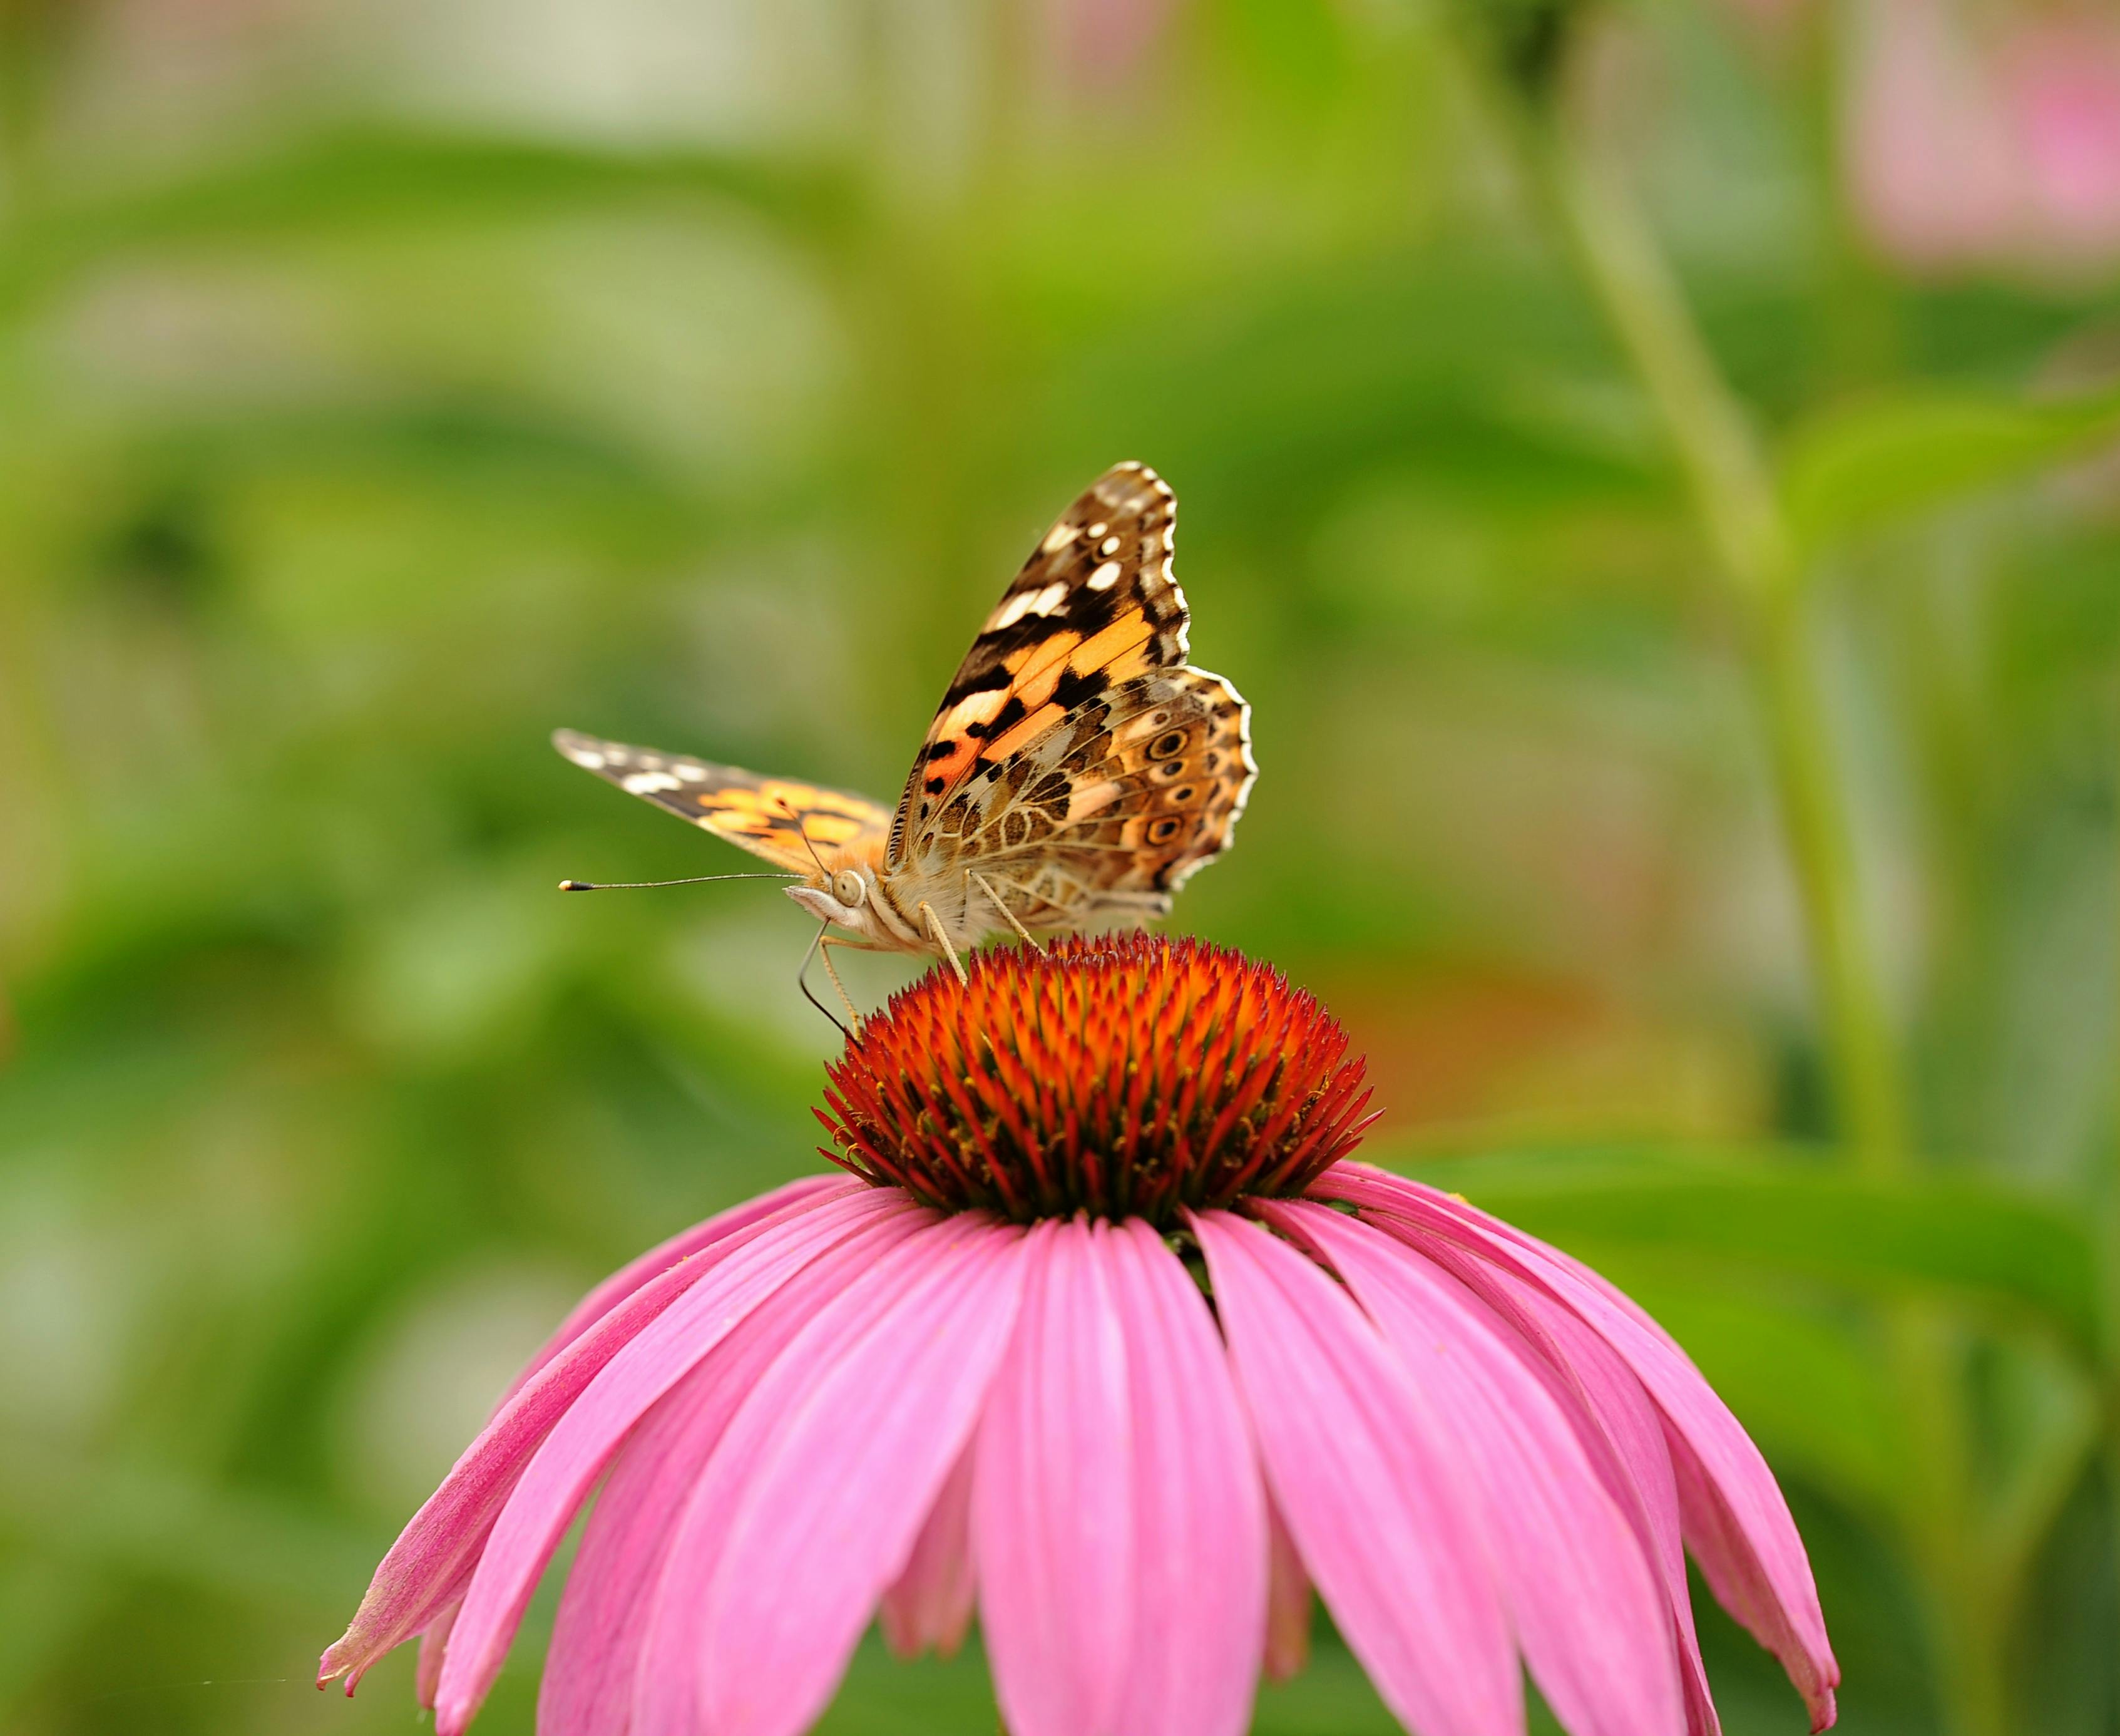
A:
(1095, 606)
(777, 818)
(1105, 816)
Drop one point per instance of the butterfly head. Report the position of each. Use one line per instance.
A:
(838, 895)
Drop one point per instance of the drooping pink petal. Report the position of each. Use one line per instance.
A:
(787, 1541)
(433, 1645)
(560, 1474)
(1053, 1526)
(1735, 1509)
(1200, 1539)
(929, 1605)
(1580, 1592)
(1620, 1427)
(1373, 1496)
(597, 1641)
(1721, 1541)
(596, 1637)
(427, 1569)
(813, 1189)
(1287, 1601)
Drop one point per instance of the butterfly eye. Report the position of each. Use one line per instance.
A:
(846, 888)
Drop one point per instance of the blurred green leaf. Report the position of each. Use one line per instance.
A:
(165, 1522)
(1807, 1380)
(336, 183)
(1957, 1237)
(1913, 450)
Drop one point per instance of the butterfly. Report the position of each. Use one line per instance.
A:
(1078, 770)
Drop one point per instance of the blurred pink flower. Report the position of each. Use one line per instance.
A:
(970, 1374)
(1099, 41)
(1986, 142)
(2063, 80)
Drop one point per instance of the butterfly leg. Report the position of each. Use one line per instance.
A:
(825, 945)
(942, 940)
(980, 880)
(815, 950)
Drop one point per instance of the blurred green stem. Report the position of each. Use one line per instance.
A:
(1740, 512)
(2109, 1236)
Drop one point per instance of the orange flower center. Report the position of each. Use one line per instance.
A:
(1121, 1076)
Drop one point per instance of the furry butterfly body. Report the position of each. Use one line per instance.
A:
(1077, 771)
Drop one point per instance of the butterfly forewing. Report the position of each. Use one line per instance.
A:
(1094, 606)
(778, 818)
(1076, 764)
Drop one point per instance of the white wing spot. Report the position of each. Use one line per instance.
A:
(1109, 546)
(1029, 602)
(690, 773)
(643, 783)
(1096, 531)
(583, 757)
(1105, 576)
(1058, 539)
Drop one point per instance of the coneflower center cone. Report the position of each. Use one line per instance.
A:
(1123, 1076)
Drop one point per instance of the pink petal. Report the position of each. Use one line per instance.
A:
(1371, 1491)
(1287, 1601)
(930, 1604)
(1618, 1427)
(1722, 1543)
(603, 1613)
(558, 1478)
(587, 1686)
(1733, 1509)
(434, 1645)
(1052, 1495)
(1200, 1536)
(807, 1189)
(809, 1507)
(1586, 1608)
(427, 1567)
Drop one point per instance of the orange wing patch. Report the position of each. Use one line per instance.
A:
(1028, 704)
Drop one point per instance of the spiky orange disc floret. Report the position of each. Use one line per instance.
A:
(1121, 1076)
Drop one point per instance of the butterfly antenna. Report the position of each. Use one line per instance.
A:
(788, 808)
(641, 886)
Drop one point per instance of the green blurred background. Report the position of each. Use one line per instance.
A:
(1649, 465)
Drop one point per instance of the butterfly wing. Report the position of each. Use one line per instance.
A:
(1078, 764)
(778, 818)
(1094, 606)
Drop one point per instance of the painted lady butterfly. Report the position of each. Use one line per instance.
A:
(1077, 772)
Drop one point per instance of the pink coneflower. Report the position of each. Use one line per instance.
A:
(1105, 1337)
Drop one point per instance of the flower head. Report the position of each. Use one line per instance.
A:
(978, 1374)
(1122, 1078)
